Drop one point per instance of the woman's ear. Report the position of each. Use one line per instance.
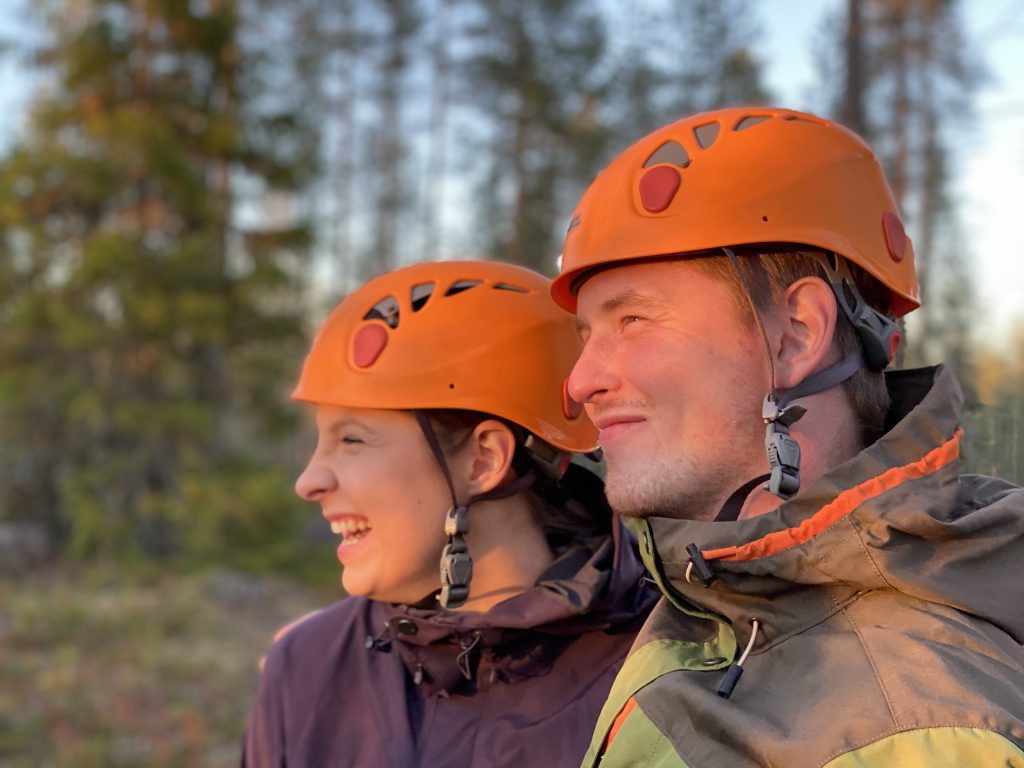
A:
(487, 456)
(807, 323)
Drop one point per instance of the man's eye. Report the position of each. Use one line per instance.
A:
(351, 440)
(629, 320)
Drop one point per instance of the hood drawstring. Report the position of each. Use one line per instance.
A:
(735, 671)
(706, 577)
(697, 563)
(380, 643)
(463, 659)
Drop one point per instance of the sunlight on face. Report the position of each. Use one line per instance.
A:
(674, 380)
(380, 488)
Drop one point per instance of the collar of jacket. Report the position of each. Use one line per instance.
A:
(873, 522)
(593, 585)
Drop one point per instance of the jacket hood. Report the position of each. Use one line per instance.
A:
(897, 516)
(593, 585)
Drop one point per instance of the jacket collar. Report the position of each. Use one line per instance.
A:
(592, 585)
(795, 566)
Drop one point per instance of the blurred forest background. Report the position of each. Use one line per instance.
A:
(195, 184)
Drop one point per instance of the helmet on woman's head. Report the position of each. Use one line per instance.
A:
(466, 335)
(471, 335)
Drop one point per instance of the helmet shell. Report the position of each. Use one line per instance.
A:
(470, 335)
(742, 176)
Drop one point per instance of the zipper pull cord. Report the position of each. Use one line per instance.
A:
(463, 660)
(735, 671)
(381, 642)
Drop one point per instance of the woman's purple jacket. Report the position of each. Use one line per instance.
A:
(364, 683)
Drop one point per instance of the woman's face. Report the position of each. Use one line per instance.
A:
(380, 488)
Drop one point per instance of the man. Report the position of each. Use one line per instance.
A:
(736, 276)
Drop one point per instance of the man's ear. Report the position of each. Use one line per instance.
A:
(806, 325)
(486, 458)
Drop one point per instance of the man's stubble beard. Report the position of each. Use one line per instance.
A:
(654, 487)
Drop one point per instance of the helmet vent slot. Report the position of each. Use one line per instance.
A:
(669, 152)
(386, 309)
(749, 122)
(706, 134)
(799, 119)
(419, 295)
(461, 285)
(510, 287)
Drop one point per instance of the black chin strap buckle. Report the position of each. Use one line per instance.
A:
(456, 564)
(456, 522)
(783, 450)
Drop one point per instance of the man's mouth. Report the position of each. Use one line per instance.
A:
(353, 528)
(611, 425)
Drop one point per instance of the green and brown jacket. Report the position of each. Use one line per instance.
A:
(889, 596)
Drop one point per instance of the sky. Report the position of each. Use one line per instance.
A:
(989, 162)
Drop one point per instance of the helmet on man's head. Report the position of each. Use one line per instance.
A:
(741, 176)
(469, 335)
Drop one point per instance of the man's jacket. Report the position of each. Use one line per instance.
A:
(889, 596)
(369, 684)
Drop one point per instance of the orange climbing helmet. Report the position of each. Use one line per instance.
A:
(471, 335)
(742, 176)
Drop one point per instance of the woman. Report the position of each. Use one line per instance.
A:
(492, 595)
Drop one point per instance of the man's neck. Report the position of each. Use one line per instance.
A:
(828, 435)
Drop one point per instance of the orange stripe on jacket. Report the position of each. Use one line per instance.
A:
(841, 505)
(617, 723)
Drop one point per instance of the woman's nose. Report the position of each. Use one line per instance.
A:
(315, 481)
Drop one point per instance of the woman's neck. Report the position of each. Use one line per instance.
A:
(508, 548)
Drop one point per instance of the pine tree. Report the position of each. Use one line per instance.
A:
(534, 76)
(674, 60)
(151, 261)
(910, 74)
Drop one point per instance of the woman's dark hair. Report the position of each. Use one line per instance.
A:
(567, 509)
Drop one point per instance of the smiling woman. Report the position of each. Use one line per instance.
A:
(491, 590)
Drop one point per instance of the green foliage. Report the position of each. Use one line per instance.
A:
(150, 335)
(994, 425)
(535, 72)
(140, 667)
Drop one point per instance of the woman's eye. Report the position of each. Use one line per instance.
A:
(350, 440)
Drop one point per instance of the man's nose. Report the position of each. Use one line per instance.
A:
(593, 375)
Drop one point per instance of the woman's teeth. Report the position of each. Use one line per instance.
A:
(352, 530)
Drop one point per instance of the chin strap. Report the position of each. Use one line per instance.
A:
(879, 338)
(456, 564)
(782, 449)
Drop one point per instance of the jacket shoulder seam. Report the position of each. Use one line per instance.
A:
(874, 667)
(867, 553)
(839, 606)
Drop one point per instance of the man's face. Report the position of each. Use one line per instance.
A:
(673, 376)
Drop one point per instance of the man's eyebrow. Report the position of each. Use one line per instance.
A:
(627, 298)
